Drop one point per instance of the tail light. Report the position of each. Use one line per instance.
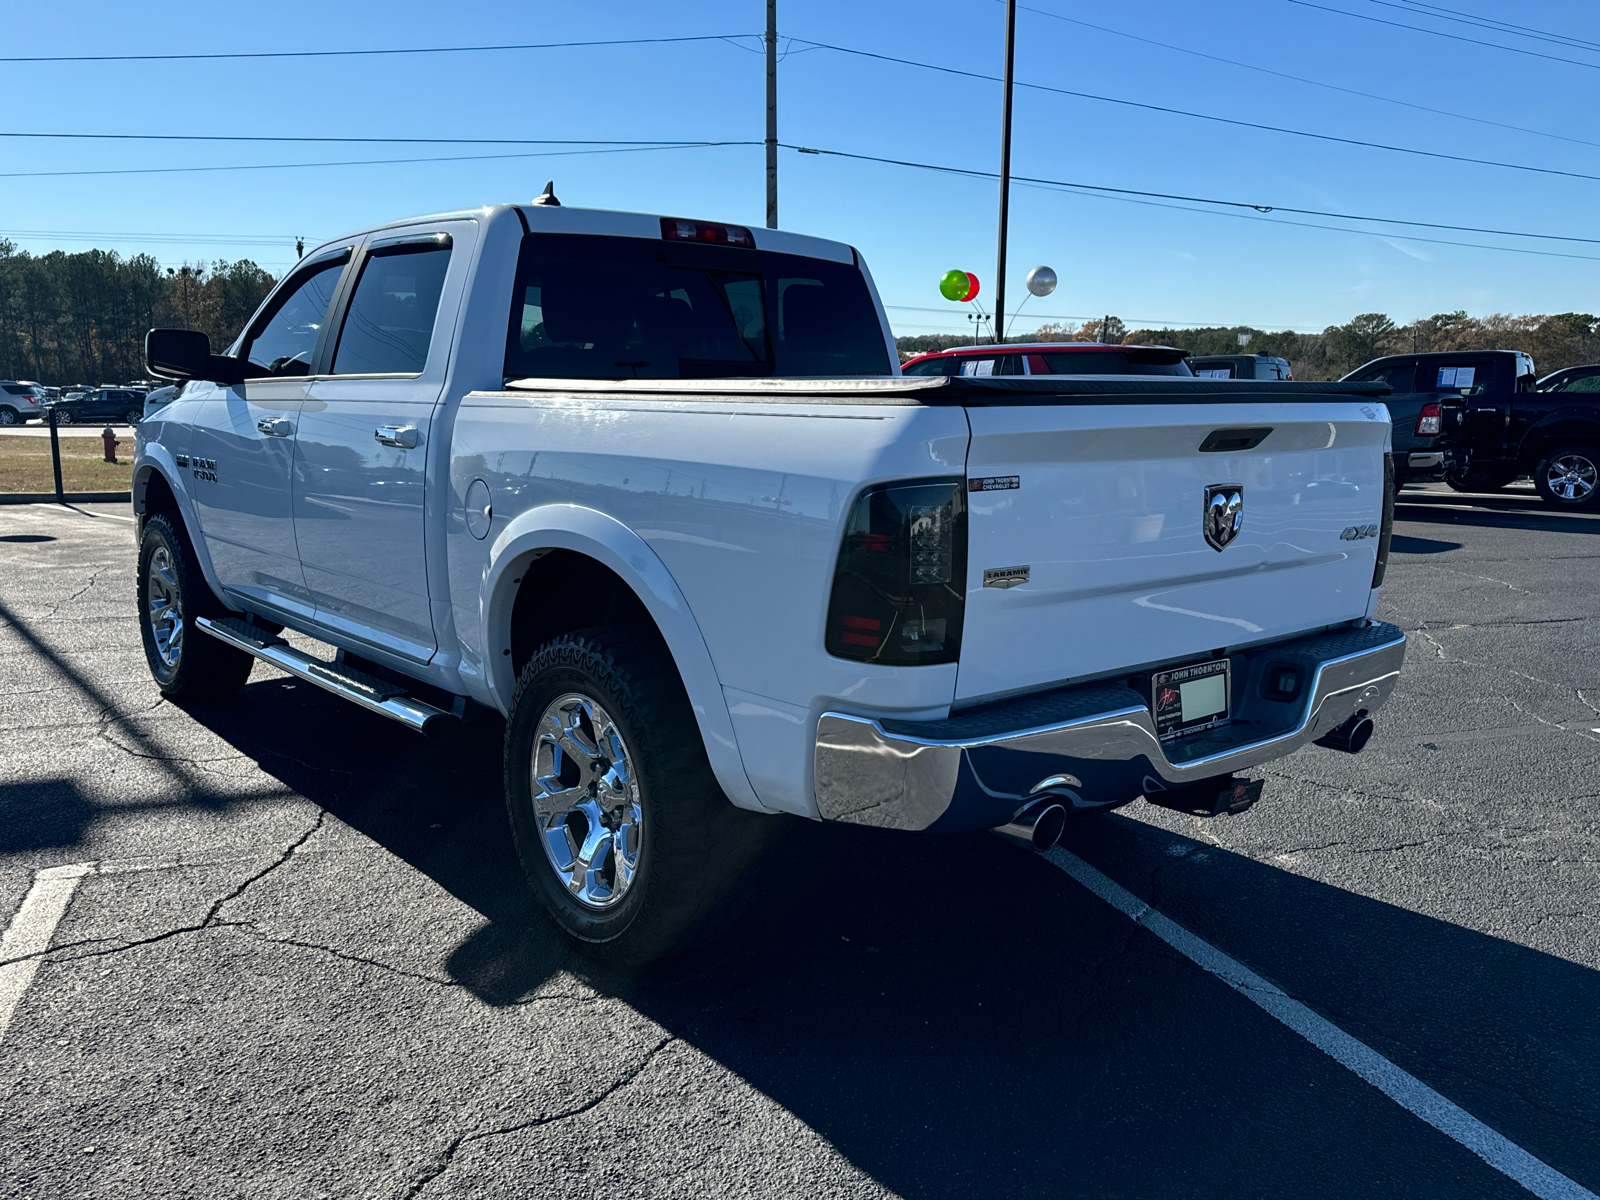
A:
(899, 590)
(705, 231)
(1428, 420)
(1386, 530)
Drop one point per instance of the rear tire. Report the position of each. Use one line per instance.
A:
(623, 832)
(10, 416)
(1569, 476)
(63, 418)
(133, 416)
(172, 591)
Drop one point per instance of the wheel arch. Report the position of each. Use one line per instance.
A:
(155, 490)
(1560, 426)
(625, 579)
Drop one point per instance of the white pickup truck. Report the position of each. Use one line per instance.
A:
(655, 491)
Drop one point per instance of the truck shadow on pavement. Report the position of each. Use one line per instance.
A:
(957, 1017)
(1492, 512)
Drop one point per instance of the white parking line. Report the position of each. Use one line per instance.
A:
(1404, 1089)
(30, 932)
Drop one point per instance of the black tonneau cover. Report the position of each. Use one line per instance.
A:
(964, 391)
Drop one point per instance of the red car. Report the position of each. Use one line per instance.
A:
(1050, 358)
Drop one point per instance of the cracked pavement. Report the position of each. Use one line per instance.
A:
(301, 962)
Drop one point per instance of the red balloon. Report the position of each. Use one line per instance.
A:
(972, 286)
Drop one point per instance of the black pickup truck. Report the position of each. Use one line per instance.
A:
(1474, 416)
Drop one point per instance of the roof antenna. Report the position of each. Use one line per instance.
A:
(549, 198)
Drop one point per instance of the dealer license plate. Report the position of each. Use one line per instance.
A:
(1190, 699)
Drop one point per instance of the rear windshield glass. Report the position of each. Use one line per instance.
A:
(934, 366)
(624, 308)
(16, 389)
(1111, 362)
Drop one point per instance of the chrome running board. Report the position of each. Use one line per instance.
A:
(374, 694)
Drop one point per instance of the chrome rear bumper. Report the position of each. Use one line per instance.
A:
(1093, 746)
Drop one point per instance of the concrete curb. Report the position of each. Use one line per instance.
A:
(68, 498)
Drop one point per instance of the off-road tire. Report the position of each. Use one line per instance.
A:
(1573, 453)
(202, 667)
(695, 845)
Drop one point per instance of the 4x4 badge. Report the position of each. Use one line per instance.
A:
(1223, 515)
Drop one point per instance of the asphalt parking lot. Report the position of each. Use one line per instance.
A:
(279, 947)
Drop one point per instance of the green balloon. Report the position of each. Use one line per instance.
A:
(953, 285)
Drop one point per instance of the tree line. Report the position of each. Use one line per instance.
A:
(1554, 341)
(81, 318)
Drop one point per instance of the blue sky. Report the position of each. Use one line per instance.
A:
(1144, 263)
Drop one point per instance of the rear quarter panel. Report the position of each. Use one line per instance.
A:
(743, 504)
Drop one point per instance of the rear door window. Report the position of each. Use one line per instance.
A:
(389, 323)
(1400, 378)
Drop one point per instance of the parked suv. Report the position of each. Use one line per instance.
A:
(20, 402)
(1240, 366)
(1049, 358)
(118, 405)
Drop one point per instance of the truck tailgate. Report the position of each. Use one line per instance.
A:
(1105, 507)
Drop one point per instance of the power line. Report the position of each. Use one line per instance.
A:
(1454, 37)
(360, 162)
(418, 141)
(1130, 196)
(86, 58)
(163, 239)
(1439, 13)
(1332, 87)
(1161, 108)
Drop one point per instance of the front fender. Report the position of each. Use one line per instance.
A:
(152, 458)
(1577, 423)
(608, 541)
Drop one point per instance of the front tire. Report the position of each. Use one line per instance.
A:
(623, 832)
(1569, 476)
(185, 663)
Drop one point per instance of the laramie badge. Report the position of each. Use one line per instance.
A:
(1223, 516)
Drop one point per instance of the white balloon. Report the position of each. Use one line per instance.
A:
(1041, 281)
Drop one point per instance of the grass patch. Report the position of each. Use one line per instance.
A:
(25, 465)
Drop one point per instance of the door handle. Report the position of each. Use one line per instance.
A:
(275, 427)
(403, 436)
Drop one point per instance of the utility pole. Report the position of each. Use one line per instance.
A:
(1005, 175)
(772, 114)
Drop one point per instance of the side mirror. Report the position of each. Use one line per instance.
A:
(186, 354)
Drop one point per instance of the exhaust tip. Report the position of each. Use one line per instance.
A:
(1038, 826)
(1351, 737)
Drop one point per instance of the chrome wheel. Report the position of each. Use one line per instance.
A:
(63, 418)
(1571, 477)
(164, 607)
(586, 801)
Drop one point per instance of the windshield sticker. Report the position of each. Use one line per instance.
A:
(1456, 377)
(978, 366)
